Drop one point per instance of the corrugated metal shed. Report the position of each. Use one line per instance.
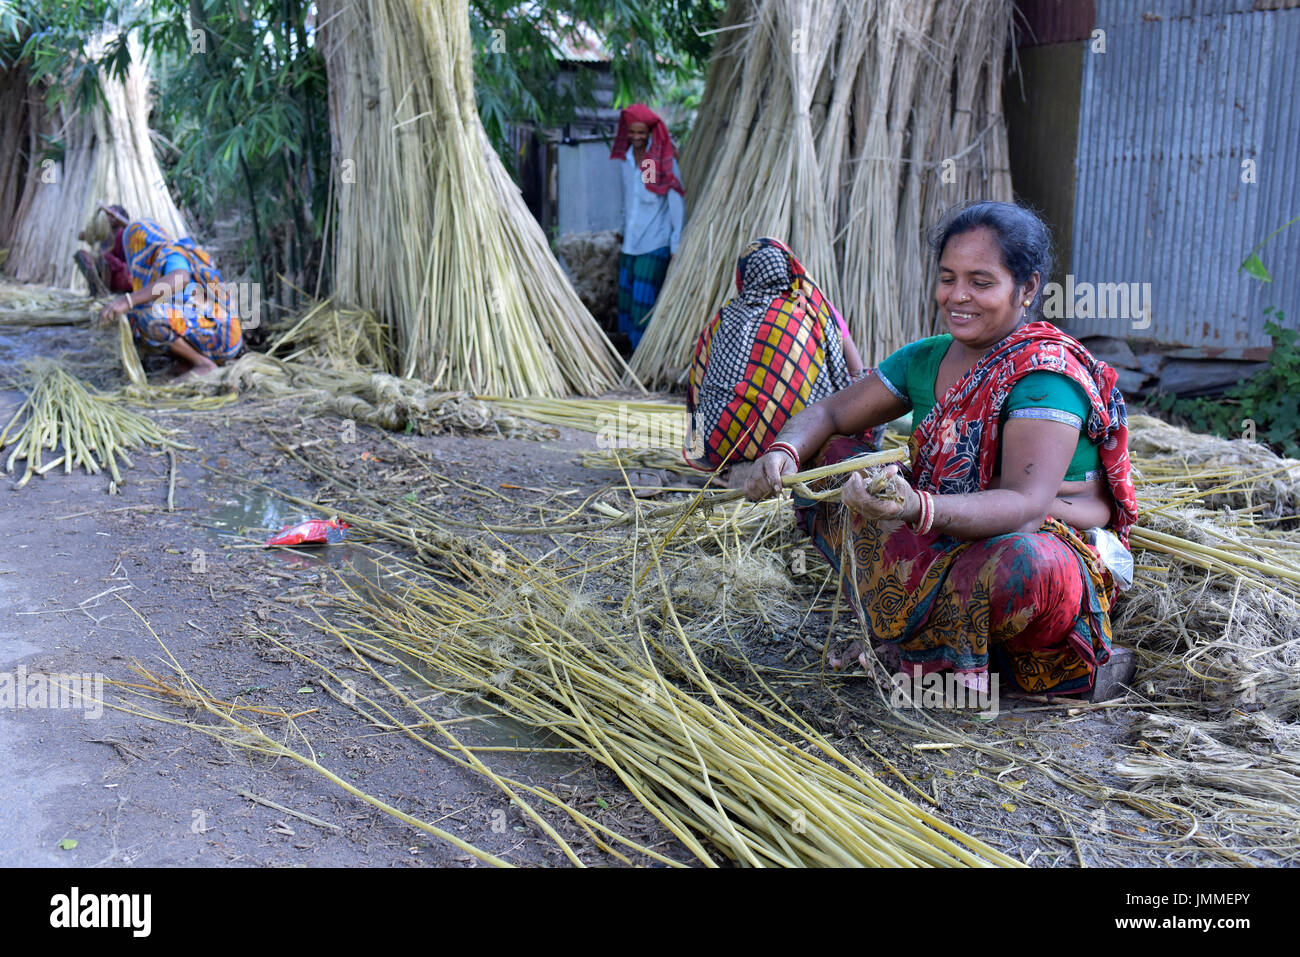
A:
(1122, 12)
(1185, 91)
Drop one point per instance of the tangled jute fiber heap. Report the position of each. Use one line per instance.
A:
(592, 263)
(375, 398)
(1236, 473)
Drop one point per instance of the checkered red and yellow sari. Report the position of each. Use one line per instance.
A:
(772, 349)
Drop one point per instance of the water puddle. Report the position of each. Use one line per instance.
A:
(247, 517)
(251, 514)
(492, 730)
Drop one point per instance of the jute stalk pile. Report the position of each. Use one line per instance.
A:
(708, 761)
(92, 431)
(26, 305)
(108, 157)
(623, 652)
(431, 232)
(844, 127)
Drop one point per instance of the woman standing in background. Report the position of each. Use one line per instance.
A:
(653, 211)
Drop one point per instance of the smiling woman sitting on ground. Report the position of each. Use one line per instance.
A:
(1019, 457)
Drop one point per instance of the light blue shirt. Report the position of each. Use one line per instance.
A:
(175, 262)
(650, 222)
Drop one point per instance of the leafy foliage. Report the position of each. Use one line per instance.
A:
(1270, 399)
(242, 107)
(656, 51)
(1253, 265)
(243, 97)
(245, 102)
(12, 27)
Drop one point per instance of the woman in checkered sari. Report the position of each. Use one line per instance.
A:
(773, 348)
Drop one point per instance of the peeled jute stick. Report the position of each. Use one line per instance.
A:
(854, 464)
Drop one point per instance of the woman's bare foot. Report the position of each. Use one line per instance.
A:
(184, 352)
(843, 658)
(197, 370)
(857, 651)
(647, 483)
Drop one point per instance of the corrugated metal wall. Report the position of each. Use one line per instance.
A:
(1167, 115)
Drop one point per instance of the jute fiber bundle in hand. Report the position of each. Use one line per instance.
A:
(432, 233)
(845, 129)
(108, 156)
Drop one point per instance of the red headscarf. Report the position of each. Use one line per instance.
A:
(659, 152)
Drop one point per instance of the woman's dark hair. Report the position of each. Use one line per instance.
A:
(1023, 237)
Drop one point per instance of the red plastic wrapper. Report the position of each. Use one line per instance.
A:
(314, 531)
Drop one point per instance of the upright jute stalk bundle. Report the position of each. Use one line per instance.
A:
(845, 128)
(13, 145)
(432, 233)
(108, 156)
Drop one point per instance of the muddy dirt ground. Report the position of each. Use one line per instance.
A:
(95, 584)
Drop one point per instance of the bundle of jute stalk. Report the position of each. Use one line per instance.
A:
(95, 431)
(844, 129)
(430, 231)
(334, 337)
(717, 768)
(108, 156)
(615, 421)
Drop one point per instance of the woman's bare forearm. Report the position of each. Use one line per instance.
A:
(852, 358)
(997, 511)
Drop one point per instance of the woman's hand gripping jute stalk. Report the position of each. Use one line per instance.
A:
(873, 494)
(882, 495)
(767, 475)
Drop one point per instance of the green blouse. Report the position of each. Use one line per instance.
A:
(910, 373)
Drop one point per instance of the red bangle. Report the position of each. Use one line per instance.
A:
(789, 450)
(925, 517)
